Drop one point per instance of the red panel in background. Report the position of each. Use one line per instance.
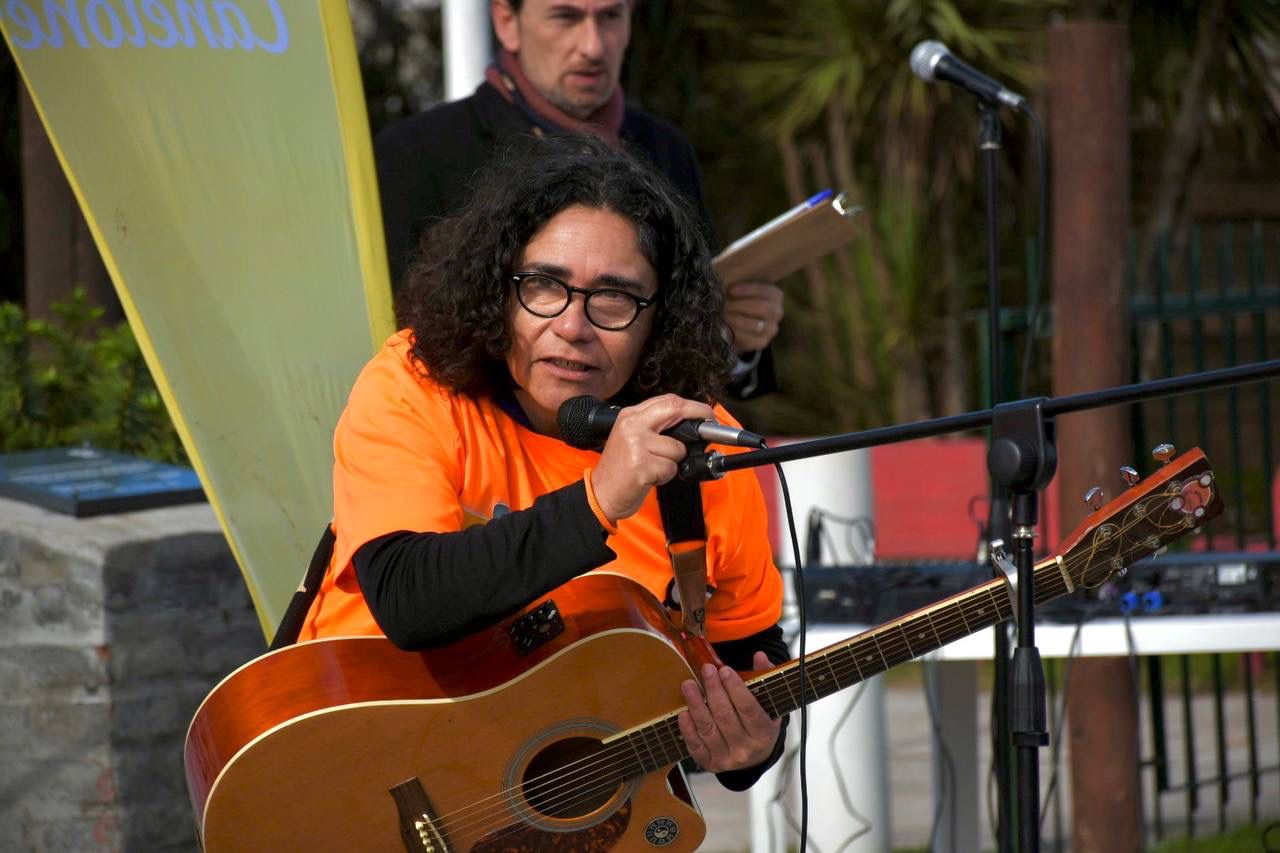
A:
(923, 491)
(929, 496)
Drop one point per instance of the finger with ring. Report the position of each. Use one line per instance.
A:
(759, 326)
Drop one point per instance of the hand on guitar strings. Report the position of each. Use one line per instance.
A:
(728, 729)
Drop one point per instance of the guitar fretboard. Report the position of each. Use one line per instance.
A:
(659, 744)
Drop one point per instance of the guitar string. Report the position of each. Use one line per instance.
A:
(890, 649)
(770, 694)
(894, 650)
(613, 762)
(609, 766)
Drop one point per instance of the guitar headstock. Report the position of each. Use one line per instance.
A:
(1173, 501)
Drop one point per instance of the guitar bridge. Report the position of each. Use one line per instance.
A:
(418, 827)
(536, 627)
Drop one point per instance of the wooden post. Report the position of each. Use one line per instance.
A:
(58, 248)
(1089, 141)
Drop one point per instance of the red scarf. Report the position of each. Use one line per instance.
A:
(506, 76)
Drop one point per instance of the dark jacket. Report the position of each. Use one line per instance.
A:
(425, 165)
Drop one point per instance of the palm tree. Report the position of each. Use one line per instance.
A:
(782, 98)
(881, 327)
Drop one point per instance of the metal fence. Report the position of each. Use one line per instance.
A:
(1212, 300)
(1176, 766)
(1215, 302)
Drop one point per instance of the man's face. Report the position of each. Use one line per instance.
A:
(553, 359)
(571, 50)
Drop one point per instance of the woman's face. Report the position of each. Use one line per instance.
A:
(553, 359)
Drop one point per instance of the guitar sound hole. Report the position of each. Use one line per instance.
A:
(569, 779)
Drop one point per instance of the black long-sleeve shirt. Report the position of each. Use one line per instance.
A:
(428, 589)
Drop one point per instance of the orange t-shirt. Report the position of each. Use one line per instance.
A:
(409, 455)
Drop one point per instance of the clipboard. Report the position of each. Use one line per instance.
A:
(791, 241)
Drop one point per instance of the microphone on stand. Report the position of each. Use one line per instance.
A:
(930, 60)
(585, 422)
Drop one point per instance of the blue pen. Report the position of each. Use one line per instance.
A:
(781, 219)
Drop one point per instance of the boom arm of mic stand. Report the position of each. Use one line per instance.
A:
(716, 465)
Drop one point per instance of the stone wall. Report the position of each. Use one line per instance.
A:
(112, 630)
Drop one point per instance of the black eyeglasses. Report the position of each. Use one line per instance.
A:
(547, 296)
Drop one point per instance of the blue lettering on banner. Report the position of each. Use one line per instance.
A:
(185, 13)
(158, 14)
(97, 10)
(135, 36)
(34, 24)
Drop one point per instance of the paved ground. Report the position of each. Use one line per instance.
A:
(911, 801)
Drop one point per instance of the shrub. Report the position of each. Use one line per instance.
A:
(68, 382)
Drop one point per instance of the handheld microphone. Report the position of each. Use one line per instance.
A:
(584, 422)
(930, 60)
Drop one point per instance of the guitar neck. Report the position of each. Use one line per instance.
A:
(836, 667)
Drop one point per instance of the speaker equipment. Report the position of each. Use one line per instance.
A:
(877, 592)
(1200, 582)
(1192, 583)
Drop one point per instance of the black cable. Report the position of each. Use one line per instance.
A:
(798, 577)
(866, 547)
(1033, 309)
(1056, 751)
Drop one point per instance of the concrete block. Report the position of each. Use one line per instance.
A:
(41, 673)
(112, 631)
(42, 731)
(158, 829)
(59, 785)
(50, 597)
(83, 834)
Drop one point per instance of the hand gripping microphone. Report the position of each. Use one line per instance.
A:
(930, 60)
(584, 422)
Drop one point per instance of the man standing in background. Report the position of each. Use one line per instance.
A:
(557, 72)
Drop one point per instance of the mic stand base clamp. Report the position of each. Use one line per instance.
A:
(1000, 561)
(1022, 458)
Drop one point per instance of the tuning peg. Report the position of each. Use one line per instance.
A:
(1129, 475)
(1164, 453)
(1094, 497)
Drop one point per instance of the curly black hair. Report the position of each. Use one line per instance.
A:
(455, 295)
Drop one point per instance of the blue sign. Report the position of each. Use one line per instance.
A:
(83, 481)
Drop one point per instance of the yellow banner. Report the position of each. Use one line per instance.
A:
(220, 152)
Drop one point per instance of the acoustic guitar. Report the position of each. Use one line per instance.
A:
(556, 728)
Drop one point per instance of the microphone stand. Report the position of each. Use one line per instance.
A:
(998, 508)
(1022, 458)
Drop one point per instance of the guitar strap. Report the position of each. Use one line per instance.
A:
(680, 503)
(296, 613)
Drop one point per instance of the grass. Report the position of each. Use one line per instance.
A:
(1244, 840)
